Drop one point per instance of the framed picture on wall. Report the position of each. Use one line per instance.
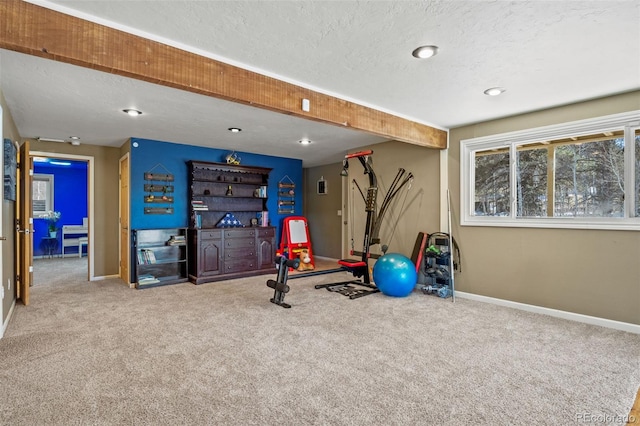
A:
(10, 158)
(322, 186)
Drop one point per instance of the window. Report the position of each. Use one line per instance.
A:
(573, 175)
(636, 135)
(42, 194)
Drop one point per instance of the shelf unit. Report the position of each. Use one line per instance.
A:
(221, 252)
(158, 189)
(286, 196)
(216, 189)
(160, 256)
(438, 276)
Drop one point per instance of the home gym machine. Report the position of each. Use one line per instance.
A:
(359, 268)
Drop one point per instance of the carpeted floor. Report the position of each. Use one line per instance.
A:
(221, 353)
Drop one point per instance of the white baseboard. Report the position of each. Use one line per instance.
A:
(104, 277)
(602, 322)
(6, 322)
(325, 258)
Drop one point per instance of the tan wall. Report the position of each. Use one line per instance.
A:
(417, 211)
(589, 272)
(9, 131)
(321, 211)
(416, 207)
(105, 225)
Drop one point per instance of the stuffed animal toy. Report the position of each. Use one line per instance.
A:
(305, 261)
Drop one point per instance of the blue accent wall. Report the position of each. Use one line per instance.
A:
(167, 157)
(69, 198)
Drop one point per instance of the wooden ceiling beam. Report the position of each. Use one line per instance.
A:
(35, 30)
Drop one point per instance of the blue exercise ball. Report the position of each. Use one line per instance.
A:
(395, 275)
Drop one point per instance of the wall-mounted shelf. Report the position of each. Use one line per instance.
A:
(158, 189)
(286, 196)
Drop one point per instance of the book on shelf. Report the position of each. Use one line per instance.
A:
(177, 240)
(146, 257)
(199, 205)
(195, 205)
(264, 218)
(147, 279)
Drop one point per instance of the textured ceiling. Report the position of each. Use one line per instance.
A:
(545, 53)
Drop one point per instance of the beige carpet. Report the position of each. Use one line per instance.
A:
(221, 353)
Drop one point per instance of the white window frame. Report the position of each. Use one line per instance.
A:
(629, 121)
(49, 206)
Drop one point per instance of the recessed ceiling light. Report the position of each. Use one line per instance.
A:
(132, 112)
(495, 91)
(235, 129)
(304, 141)
(423, 52)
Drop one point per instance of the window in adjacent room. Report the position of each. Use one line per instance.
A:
(42, 194)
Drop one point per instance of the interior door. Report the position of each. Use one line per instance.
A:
(24, 226)
(124, 219)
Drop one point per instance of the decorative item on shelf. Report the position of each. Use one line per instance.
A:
(286, 196)
(229, 221)
(52, 219)
(158, 193)
(232, 158)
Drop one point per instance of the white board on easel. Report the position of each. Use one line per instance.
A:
(298, 232)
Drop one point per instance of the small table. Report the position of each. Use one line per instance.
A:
(49, 245)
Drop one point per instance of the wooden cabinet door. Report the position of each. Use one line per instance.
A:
(266, 254)
(265, 246)
(210, 252)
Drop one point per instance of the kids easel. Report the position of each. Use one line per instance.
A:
(295, 238)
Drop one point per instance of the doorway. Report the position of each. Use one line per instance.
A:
(63, 215)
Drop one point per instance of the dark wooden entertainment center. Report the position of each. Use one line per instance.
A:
(241, 247)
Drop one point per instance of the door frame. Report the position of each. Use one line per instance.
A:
(91, 189)
(124, 263)
(24, 224)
